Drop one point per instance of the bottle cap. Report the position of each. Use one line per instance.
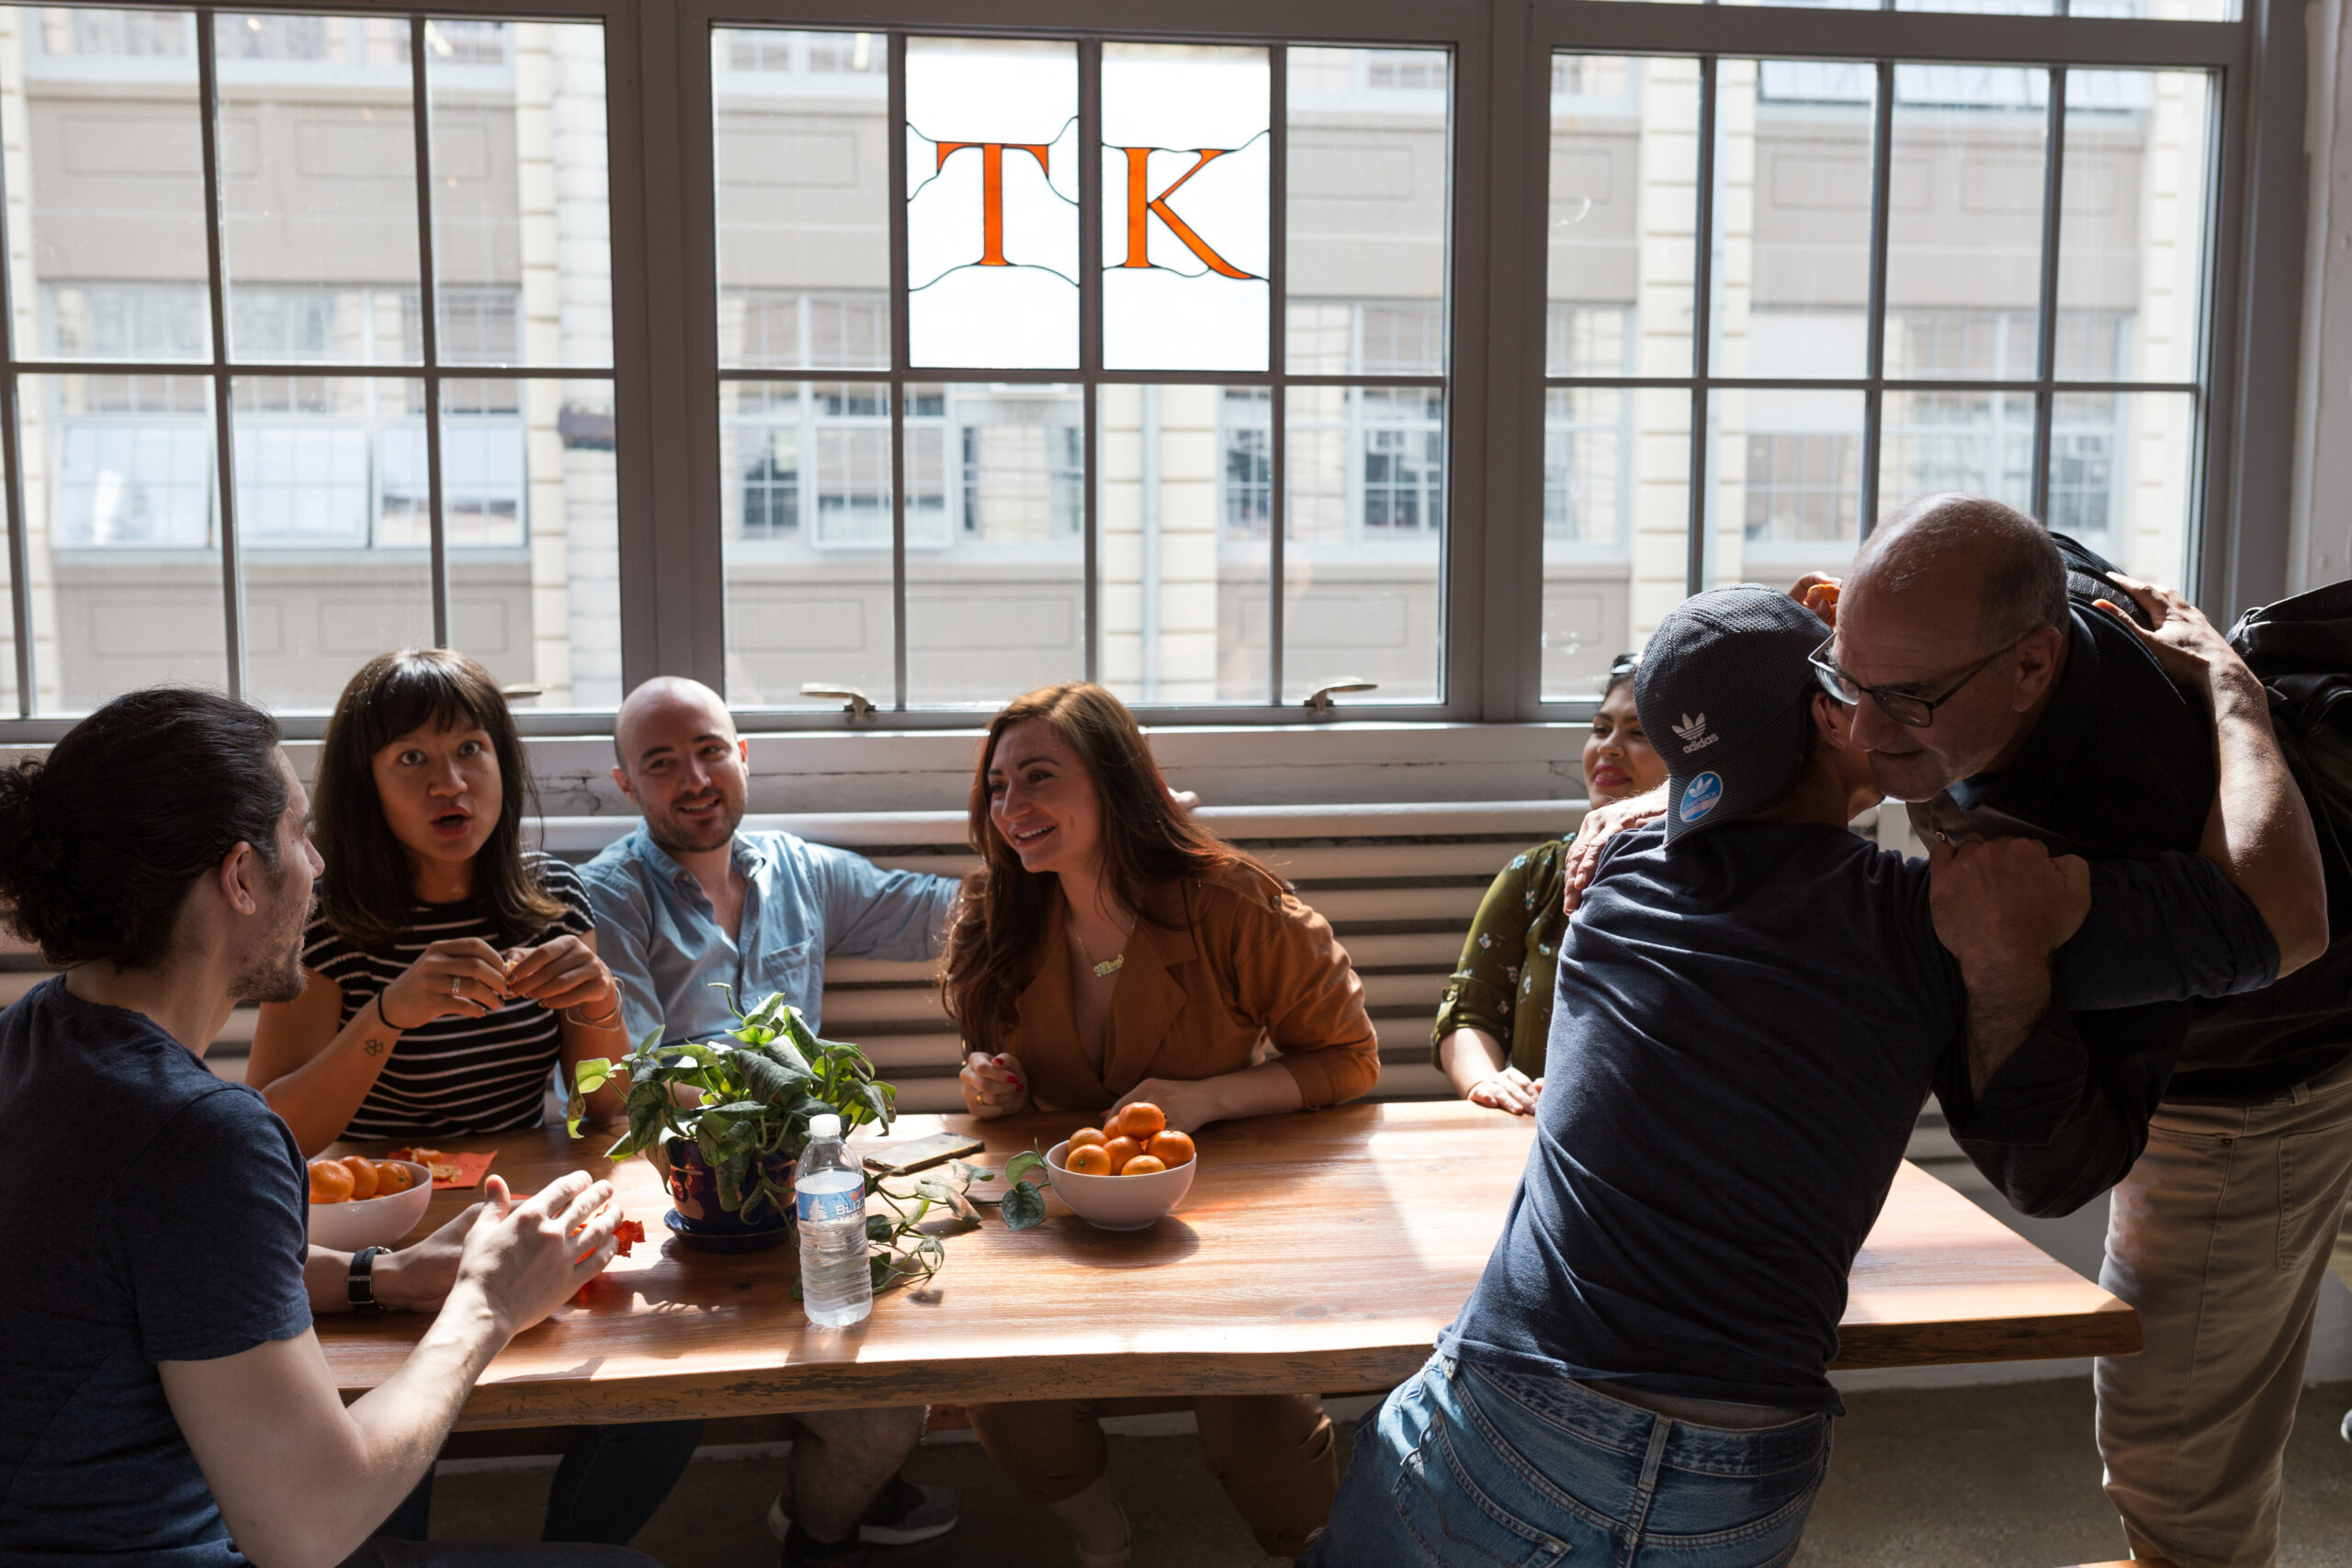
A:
(826, 1126)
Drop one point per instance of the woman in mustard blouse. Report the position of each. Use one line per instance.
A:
(1109, 950)
(1496, 1013)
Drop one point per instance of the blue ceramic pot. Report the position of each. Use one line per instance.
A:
(693, 1190)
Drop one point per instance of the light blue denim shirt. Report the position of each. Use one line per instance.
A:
(655, 929)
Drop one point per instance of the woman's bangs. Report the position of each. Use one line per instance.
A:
(421, 693)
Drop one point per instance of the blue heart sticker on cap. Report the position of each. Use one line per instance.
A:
(1700, 795)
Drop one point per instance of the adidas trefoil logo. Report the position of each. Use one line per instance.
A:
(1695, 733)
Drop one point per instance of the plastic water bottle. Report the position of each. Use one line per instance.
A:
(836, 1285)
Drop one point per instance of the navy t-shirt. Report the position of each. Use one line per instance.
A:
(1743, 1034)
(157, 1214)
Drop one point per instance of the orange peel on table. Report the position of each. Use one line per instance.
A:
(437, 1165)
(628, 1233)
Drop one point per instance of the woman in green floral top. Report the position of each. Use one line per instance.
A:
(1496, 1014)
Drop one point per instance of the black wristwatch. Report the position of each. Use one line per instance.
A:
(362, 1284)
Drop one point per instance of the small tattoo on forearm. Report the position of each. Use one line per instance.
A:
(374, 1046)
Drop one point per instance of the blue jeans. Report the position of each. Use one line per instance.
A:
(1466, 1467)
(611, 1480)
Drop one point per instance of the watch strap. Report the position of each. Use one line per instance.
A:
(361, 1286)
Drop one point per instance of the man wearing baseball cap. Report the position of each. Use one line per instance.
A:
(1751, 1006)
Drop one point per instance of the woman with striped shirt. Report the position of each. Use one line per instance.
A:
(448, 970)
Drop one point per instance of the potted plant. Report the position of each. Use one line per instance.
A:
(727, 1149)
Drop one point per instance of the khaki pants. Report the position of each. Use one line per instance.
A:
(2220, 1237)
(1271, 1452)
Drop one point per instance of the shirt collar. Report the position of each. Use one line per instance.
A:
(2025, 784)
(658, 861)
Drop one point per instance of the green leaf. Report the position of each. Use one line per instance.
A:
(1024, 1206)
(1022, 1164)
(933, 1188)
(879, 1229)
(592, 1075)
(776, 1081)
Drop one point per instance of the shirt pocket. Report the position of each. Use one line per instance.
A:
(798, 971)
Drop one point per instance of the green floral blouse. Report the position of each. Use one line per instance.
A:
(1503, 984)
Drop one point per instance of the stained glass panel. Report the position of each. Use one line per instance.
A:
(991, 203)
(1186, 199)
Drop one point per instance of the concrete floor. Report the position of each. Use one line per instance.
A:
(1980, 1477)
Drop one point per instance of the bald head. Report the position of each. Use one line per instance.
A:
(660, 703)
(682, 763)
(1950, 548)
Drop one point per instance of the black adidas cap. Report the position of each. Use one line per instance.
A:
(1725, 692)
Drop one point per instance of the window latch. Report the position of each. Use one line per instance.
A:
(1321, 705)
(859, 705)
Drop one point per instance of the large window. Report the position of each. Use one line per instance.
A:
(357, 265)
(1135, 282)
(941, 349)
(1790, 297)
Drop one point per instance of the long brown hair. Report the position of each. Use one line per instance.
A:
(1150, 848)
(369, 889)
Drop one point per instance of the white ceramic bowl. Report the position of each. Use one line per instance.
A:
(1119, 1203)
(373, 1222)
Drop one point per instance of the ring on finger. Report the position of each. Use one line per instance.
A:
(455, 983)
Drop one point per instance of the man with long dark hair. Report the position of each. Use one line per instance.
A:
(163, 1396)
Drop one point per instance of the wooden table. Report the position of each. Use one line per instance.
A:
(1317, 1252)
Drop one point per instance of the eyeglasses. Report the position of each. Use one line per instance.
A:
(1903, 707)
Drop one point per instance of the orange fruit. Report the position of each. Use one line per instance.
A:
(1121, 1150)
(1086, 1135)
(1088, 1159)
(330, 1181)
(394, 1176)
(1141, 1120)
(1172, 1149)
(1145, 1165)
(363, 1177)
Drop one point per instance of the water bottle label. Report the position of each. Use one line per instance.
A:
(849, 1203)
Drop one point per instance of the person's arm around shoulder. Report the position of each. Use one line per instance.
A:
(2259, 832)
(300, 1478)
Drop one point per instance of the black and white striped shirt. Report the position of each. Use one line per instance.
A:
(454, 1075)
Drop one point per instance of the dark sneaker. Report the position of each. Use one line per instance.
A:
(906, 1512)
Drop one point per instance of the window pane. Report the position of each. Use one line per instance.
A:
(991, 203)
(518, 128)
(1979, 442)
(331, 524)
(120, 536)
(115, 267)
(804, 199)
(1186, 200)
(996, 542)
(1184, 498)
(805, 508)
(1361, 540)
(528, 500)
(2120, 475)
(1365, 230)
(317, 189)
(1788, 484)
(1793, 218)
(2131, 235)
(1624, 215)
(1964, 261)
(1616, 519)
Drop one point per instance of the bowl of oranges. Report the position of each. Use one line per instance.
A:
(359, 1202)
(1125, 1175)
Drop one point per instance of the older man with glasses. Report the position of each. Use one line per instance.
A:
(1996, 701)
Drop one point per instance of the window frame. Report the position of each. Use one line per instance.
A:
(666, 374)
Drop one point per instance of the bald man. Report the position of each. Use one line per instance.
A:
(688, 903)
(1996, 704)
